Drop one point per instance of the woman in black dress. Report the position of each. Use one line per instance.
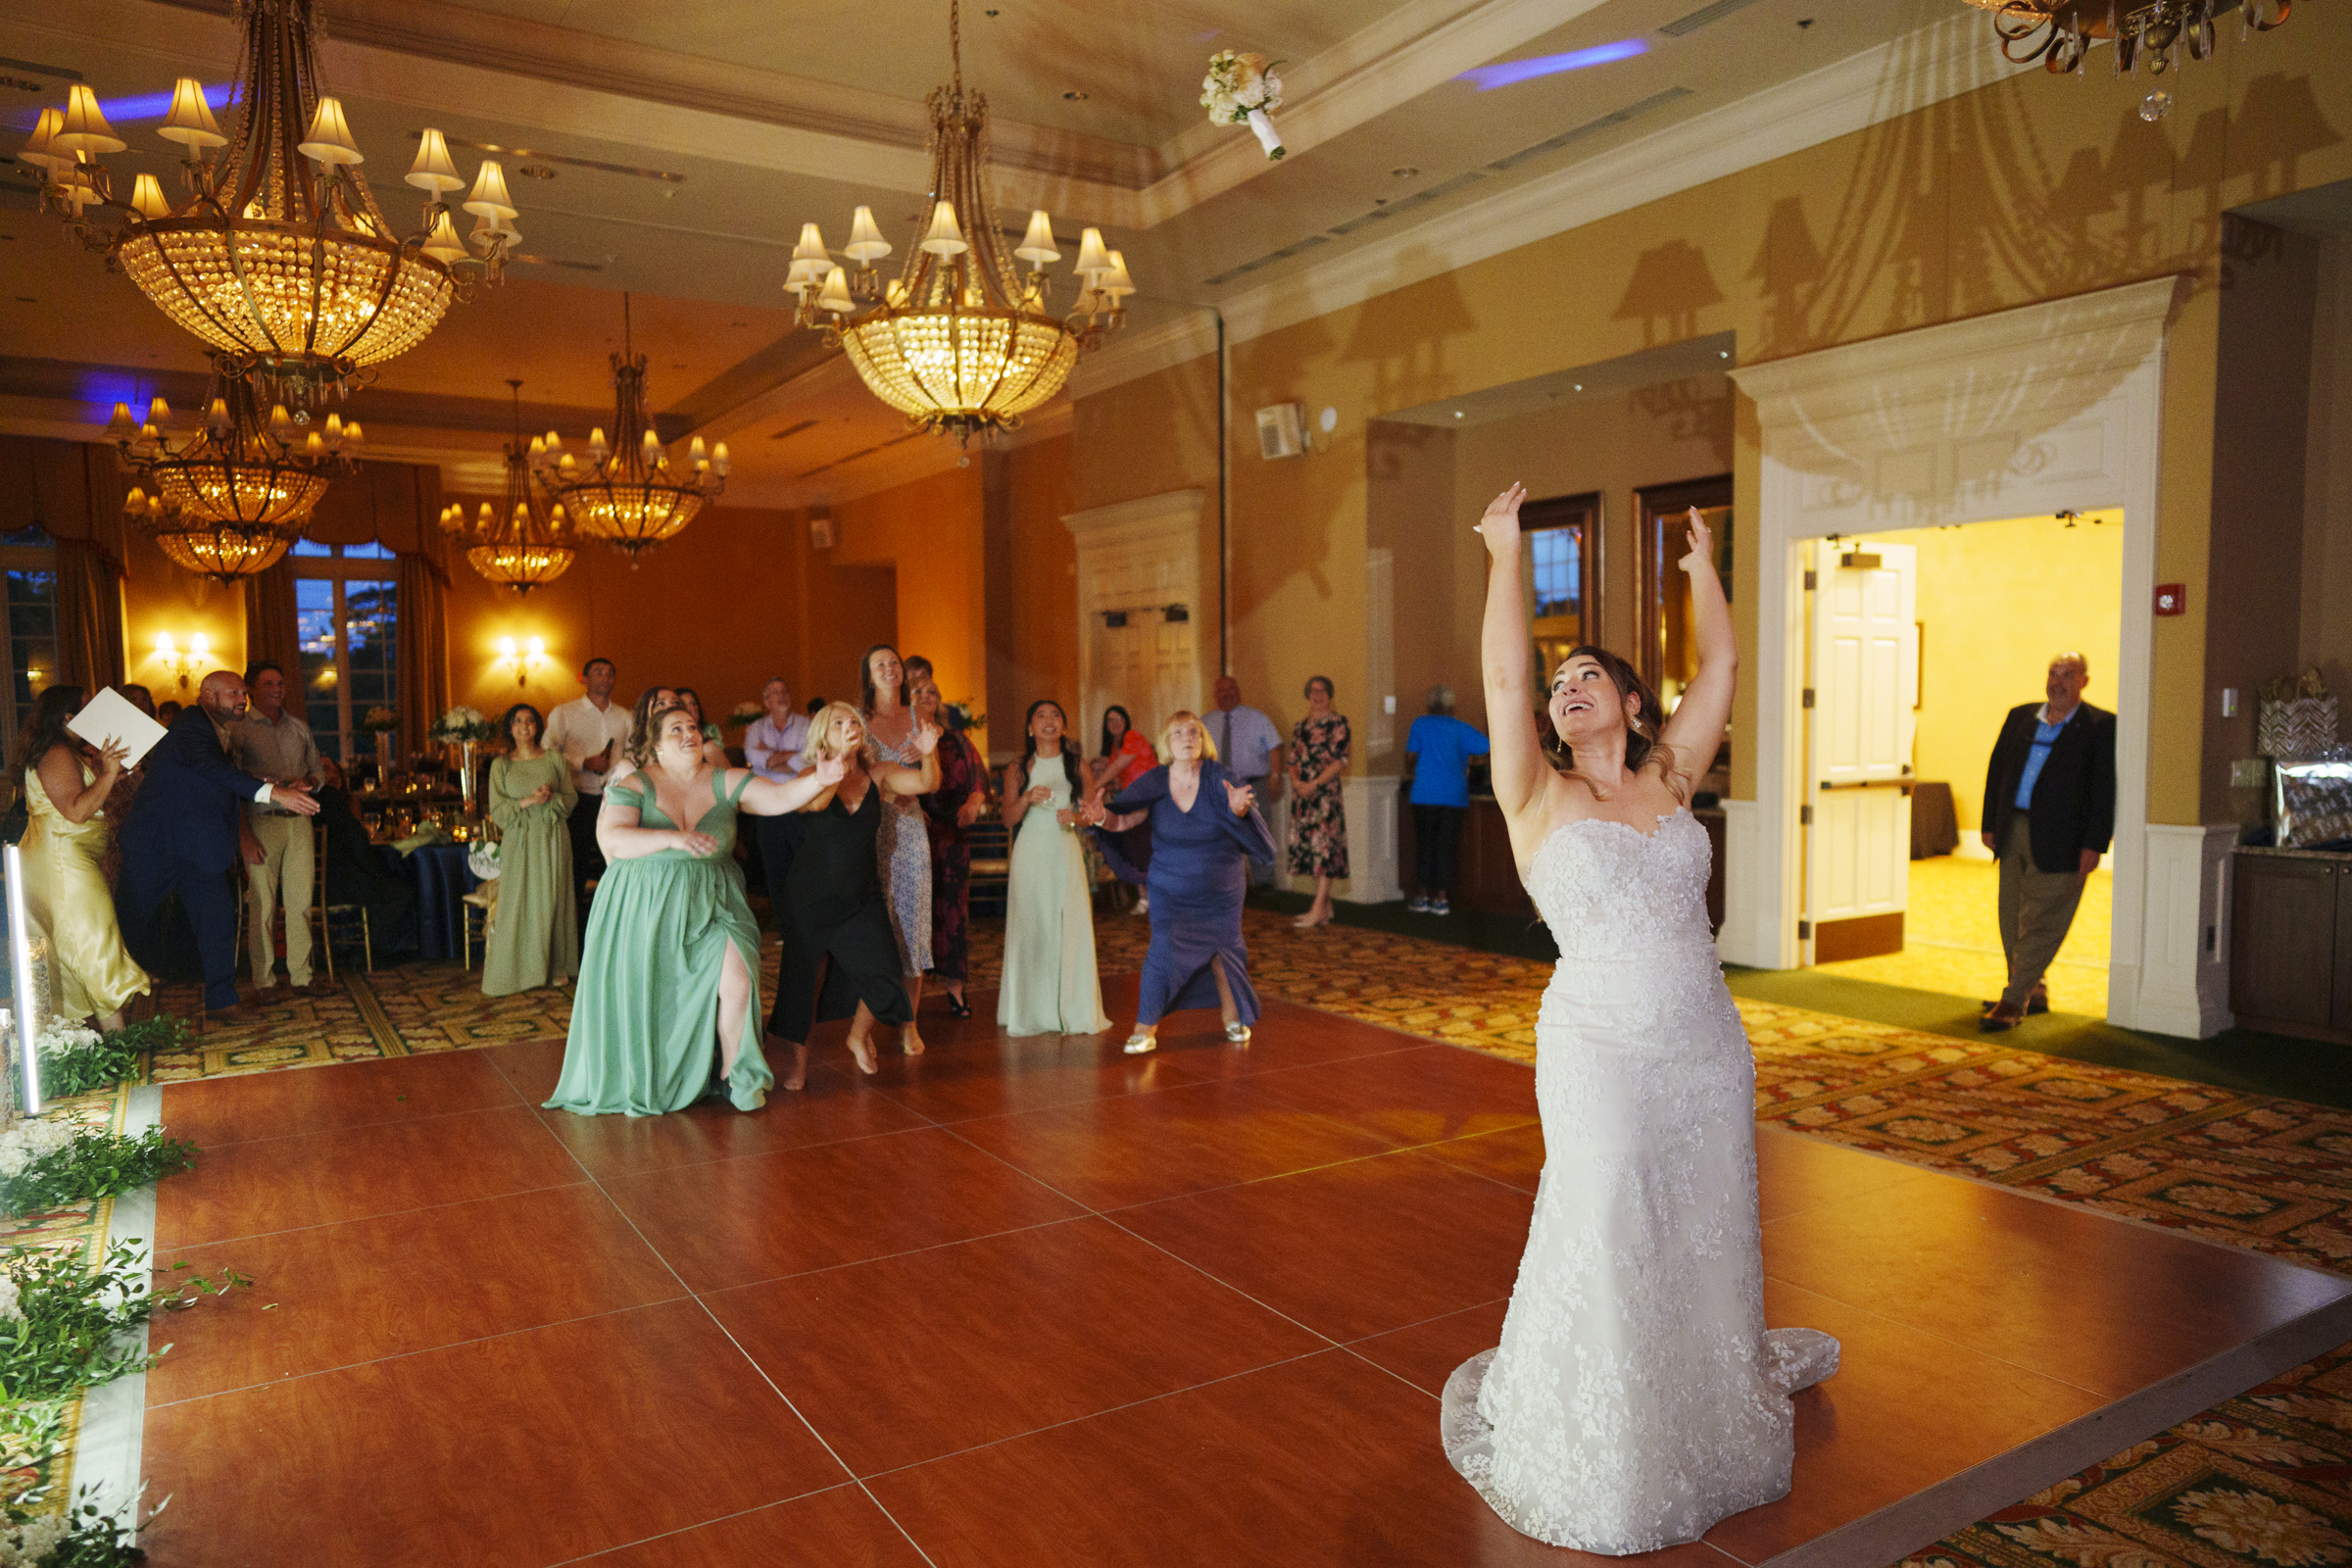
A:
(840, 959)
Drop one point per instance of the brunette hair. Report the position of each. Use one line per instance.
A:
(1126, 720)
(693, 699)
(639, 747)
(1329, 690)
(1641, 742)
(46, 725)
(506, 725)
(646, 738)
(1072, 758)
(820, 748)
(253, 672)
(1185, 715)
(866, 690)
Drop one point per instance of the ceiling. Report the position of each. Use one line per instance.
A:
(683, 145)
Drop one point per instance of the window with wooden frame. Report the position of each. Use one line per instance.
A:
(1559, 559)
(1665, 653)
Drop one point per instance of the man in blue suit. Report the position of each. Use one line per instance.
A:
(182, 837)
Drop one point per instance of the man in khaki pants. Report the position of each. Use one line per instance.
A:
(274, 745)
(2050, 812)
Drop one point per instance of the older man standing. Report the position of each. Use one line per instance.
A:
(1248, 743)
(273, 745)
(2050, 812)
(776, 736)
(588, 733)
(182, 836)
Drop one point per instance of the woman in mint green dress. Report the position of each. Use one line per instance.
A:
(534, 938)
(669, 969)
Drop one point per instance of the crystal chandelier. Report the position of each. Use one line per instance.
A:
(278, 257)
(632, 495)
(2060, 32)
(960, 340)
(230, 499)
(525, 547)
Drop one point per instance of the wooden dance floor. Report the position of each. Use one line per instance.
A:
(1024, 1303)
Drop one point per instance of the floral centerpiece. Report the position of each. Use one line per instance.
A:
(1242, 89)
(744, 716)
(379, 721)
(462, 723)
(958, 716)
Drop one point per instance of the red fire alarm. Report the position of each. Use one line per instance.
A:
(2171, 599)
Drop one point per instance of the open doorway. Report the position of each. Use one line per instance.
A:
(1991, 604)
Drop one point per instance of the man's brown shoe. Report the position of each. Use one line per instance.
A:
(243, 1012)
(1999, 1019)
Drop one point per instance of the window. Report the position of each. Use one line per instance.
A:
(29, 653)
(1560, 538)
(1666, 656)
(346, 614)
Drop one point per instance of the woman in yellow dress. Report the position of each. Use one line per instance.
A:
(90, 972)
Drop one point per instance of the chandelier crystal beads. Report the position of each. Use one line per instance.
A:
(962, 340)
(278, 256)
(2157, 33)
(522, 546)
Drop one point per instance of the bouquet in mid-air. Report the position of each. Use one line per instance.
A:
(1242, 90)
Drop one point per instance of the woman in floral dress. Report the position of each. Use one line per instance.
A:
(902, 843)
(1318, 820)
(949, 812)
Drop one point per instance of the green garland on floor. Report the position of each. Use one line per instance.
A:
(94, 1061)
(93, 1165)
(63, 1324)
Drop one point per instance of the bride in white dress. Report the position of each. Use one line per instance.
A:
(1637, 1397)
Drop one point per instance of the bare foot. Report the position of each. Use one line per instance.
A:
(910, 1043)
(798, 1076)
(861, 1047)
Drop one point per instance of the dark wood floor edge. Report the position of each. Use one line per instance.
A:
(1919, 1521)
(372, 1014)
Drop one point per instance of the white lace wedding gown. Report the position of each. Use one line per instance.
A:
(1637, 1397)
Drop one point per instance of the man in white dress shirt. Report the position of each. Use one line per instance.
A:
(1248, 743)
(776, 738)
(588, 733)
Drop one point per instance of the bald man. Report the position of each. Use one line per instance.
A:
(183, 838)
(2050, 812)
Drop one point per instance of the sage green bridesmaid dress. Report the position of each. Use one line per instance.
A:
(644, 1034)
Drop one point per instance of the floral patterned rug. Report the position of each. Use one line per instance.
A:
(2263, 1479)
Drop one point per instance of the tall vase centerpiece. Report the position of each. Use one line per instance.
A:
(463, 729)
(384, 725)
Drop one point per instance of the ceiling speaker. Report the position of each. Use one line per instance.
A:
(1281, 433)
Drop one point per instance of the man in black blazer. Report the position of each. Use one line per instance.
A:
(2050, 812)
(182, 837)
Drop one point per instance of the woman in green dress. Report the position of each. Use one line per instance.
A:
(670, 965)
(534, 937)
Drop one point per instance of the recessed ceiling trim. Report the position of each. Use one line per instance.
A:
(1705, 16)
(662, 175)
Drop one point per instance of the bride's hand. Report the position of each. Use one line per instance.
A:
(1239, 796)
(1499, 527)
(1703, 545)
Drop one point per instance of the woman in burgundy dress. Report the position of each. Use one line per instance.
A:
(949, 812)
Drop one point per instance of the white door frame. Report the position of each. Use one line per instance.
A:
(2046, 407)
(1135, 553)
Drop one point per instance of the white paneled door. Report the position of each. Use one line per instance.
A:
(1865, 689)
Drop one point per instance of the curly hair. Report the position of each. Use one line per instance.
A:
(646, 737)
(1643, 745)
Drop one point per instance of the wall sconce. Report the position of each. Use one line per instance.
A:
(199, 654)
(521, 660)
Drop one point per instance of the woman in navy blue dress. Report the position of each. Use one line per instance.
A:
(1203, 827)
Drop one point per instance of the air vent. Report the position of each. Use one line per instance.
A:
(1590, 128)
(557, 261)
(459, 142)
(794, 429)
(1682, 26)
(1270, 258)
(863, 451)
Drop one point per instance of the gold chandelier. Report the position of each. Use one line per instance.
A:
(632, 495)
(960, 340)
(227, 502)
(2060, 32)
(525, 548)
(278, 257)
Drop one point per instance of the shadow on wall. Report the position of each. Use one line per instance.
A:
(1671, 284)
(1406, 349)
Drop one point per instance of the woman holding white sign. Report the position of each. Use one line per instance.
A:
(90, 972)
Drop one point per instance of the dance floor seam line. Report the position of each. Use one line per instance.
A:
(603, 1553)
(343, 1128)
(389, 1214)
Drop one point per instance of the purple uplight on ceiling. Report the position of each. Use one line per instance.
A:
(144, 106)
(1488, 77)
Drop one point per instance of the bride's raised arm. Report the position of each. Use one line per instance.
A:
(1695, 730)
(1518, 766)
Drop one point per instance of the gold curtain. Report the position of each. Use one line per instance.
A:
(89, 616)
(272, 631)
(423, 647)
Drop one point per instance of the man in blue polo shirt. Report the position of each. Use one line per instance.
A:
(2050, 812)
(1439, 747)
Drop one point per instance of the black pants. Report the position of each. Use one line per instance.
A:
(1436, 831)
(587, 861)
(141, 893)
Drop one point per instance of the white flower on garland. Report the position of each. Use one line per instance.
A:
(462, 723)
(1242, 89)
(29, 1544)
(27, 1142)
(59, 1038)
(12, 1311)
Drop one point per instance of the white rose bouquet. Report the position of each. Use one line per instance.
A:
(462, 723)
(1242, 89)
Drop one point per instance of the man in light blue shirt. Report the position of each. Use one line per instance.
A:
(1439, 747)
(1246, 741)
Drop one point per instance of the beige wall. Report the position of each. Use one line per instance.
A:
(1996, 601)
(2326, 599)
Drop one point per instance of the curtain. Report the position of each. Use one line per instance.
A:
(423, 675)
(89, 616)
(271, 631)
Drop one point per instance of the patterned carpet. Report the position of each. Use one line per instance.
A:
(2261, 1479)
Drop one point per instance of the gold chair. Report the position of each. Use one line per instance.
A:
(480, 912)
(324, 914)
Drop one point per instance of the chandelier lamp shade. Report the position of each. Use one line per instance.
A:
(631, 492)
(228, 501)
(963, 339)
(277, 253)
(2156, 32)
(520, 545)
